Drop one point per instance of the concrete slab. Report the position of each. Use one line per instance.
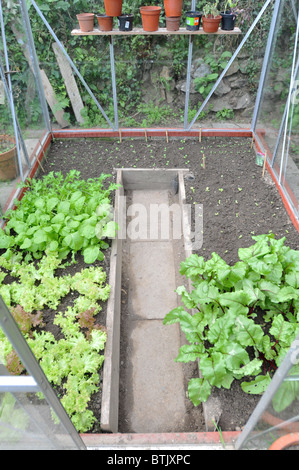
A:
(150, 215)
(157, 401)
(152, 280)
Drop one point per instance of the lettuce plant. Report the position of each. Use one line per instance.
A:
(239, 320)
(72, 362)
(64, 215)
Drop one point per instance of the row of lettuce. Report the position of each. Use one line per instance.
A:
(59, 218)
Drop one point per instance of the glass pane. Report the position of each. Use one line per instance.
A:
(280, 419)
(29, 125)
(281, 147)
(27, 422)
(290, 165)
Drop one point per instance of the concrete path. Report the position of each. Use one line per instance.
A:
(157, 392)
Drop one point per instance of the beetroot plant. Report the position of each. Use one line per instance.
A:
(239, 320)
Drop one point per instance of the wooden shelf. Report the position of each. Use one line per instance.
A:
(160, 31)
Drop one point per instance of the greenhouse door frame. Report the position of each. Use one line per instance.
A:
(36, 381)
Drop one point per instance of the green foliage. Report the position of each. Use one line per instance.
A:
(12, 417)
(204, 84)
(73, 361)
(225, 114)
(59, 216)
(224, 329)
(63, 215)
(211, 9)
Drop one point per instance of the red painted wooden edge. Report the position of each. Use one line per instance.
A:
(286, 441)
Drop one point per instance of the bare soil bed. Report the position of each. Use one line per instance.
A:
(237, 204)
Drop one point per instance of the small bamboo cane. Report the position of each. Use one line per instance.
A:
(264, 165)
(200, 135)
(166, 136)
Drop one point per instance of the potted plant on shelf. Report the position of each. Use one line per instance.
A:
(211, 18)
(105, 22)
(150, 16)
(8, 167)
(113, 7)
(173, 8)
(228, 17)
(125, 22)
(86, 21)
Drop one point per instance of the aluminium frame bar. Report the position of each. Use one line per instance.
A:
(267, 3)
(14, 335)
(61, 47)
(188, 80)
(113, 77)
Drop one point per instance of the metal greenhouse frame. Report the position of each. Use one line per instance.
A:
(277, 158)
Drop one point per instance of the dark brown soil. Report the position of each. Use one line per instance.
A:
(237, 204)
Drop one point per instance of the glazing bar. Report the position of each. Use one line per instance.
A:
(188, 82)
(18, 384)
(190, 50)
(112, 64)
(231, 61)
(14, 335)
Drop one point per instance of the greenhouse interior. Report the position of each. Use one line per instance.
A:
(149, 188)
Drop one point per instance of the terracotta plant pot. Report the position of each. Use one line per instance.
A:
(193, 19)
(8, 169)
(105, 22)
(173, 7)
(113, 7)
(125, 22)
(150, 17)
(86, 21)
(285, 442)
(211, 25)
(173, 23)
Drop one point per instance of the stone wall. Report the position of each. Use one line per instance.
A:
(236, 92)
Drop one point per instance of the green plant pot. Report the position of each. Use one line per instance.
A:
(193, 19)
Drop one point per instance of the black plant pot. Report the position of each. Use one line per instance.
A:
(228, 21)
(125, 22)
